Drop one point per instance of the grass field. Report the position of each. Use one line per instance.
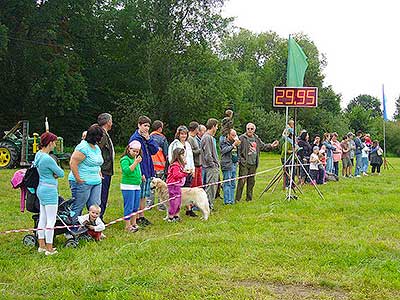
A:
(344, 247)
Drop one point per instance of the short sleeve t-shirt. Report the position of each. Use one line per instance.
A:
(89, 168)
(252, 154)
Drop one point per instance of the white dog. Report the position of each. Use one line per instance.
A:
(196, 196)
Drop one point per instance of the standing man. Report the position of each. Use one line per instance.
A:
(192, 139)
(108, 153)
(160, 158)
(352, 149)
(249, 152)
(200, 133)
(149, 148)
(358, 154)
(229, 161)
(210, 162)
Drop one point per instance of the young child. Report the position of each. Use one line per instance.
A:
(93, 222)
(316, 167)
(364, 157)
(175, 180)
(130, 183)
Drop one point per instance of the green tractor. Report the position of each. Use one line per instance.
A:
(18, 148)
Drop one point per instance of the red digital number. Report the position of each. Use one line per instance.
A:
(301, 97)
(278, 99)
(310, 97)
(290, 96)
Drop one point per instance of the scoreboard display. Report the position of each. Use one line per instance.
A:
(295, 96)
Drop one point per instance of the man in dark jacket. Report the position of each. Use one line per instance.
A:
(149, 148)
(107, 151)
(249, 153)
(229, 160)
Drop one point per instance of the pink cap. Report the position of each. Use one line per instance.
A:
(135, 145)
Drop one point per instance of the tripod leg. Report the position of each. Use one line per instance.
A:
(274, 179)
(309, 177)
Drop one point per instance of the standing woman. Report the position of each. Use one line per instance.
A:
(376, 160)
(181, 141)
(329, 152)
(85, 176)
(304, 155)
(337, 153)
(47, 191)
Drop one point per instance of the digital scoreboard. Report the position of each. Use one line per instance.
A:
(295, 96)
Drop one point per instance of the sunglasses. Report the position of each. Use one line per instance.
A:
(251, 128)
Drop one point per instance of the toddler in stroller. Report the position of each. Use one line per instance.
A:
(62, 226)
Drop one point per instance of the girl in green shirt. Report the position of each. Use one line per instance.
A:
(130, 183)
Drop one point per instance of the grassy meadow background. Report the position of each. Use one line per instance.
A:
(344, 247)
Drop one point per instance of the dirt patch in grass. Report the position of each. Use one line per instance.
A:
(295, 291)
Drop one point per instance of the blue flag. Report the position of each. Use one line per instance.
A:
(384, 103)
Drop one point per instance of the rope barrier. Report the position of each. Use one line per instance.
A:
(139, 211)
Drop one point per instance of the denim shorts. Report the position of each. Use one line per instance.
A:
(145, 188)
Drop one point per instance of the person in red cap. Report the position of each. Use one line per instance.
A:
(47, 191)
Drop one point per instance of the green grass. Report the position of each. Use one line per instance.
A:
(344, 247)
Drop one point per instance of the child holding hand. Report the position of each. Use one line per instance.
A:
(175, 180)
(93, 222)
(130, 183)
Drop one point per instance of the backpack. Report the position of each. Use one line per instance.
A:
(31, 178)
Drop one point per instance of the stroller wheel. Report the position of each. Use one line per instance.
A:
(71, 243)
(29, 240)
(85, 237)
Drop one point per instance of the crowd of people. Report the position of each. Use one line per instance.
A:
(320, 158)
(190, 160)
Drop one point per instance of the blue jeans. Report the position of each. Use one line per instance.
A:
(329, 165)
(83, 194)
(358, 168)
(229, 187)
(365, 163)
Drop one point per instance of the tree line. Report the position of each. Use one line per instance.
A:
(176, 61)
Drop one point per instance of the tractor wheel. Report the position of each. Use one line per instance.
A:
(8, 155)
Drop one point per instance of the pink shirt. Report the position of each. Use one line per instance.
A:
(337, 154)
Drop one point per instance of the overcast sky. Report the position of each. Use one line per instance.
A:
(359, 38)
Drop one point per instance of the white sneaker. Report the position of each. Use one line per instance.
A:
(358, 176)
(47, 253)
(41, 250)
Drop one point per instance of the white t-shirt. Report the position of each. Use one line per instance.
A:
(314, 161)
(188, 153)
(365, 151)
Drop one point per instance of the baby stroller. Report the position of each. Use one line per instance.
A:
(75, 234)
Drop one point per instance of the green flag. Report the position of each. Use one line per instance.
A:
(297, 64)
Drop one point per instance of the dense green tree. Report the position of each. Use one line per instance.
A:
(369, 103)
